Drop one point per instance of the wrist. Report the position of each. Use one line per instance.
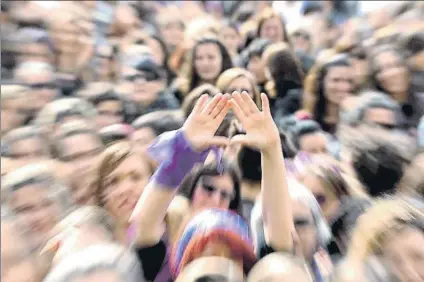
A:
(273, 149)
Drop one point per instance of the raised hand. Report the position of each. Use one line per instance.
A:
(201, 125)
(261, 131)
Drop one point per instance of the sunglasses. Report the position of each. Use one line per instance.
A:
(210, 189)
(144, 77)
(47, 85)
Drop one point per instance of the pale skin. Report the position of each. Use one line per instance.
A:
(261, 133)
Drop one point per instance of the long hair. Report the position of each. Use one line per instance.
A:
(193, 75)
(268, 14)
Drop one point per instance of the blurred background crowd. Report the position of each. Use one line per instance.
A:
(87, 86)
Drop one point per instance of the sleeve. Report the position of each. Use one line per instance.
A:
(151, 259)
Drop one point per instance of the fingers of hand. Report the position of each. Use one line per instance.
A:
(251, 106)
(239, 140)
(212, 104)
(265, 104)
(219, 141)
(237, 110)
(200, 104)
(220, 117)
(241, 103)
(220, 106)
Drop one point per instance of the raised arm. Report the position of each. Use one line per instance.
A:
(262, 134)
(177, 152)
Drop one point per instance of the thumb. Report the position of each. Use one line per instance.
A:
(240, 139)
(219, 141)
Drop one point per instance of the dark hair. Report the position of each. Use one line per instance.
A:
(189, 183)
(284, 68)
(115, 133)
(212, 278)
(104, 97)
(378, 163)
(255, 49)
(413, 44)
(194, 78)
(321, 105)
(169, 74)
(374, 67)
(147, 64)
(300, 129)
(249, 161)
(306, 61)
(159, 122)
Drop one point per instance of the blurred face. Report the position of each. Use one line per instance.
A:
(405, 254)
(27, 150)
(35, 208)
(157, 51)
(173, 33)
(315, 143)
(231, 39)
(43, 87)
(16, 264)
(208, 61)
(108, 113)
(104, 55)
(13, 114)
(305, 229)
(361, 70)
(384, 117)
(272, 30)
(101, 275)
(36, 52)
(79, 157)
(142, 87)
(301, 43)
(213, 192)
(393, 75)
(123, 187)
(240, 84)
(338, 84)
(142, 138)
(257, 67)
(325, 197)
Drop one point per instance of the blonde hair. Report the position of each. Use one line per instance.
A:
(228, 76)
(383, 218)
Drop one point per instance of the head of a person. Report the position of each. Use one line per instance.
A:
(214, 233)
(18, 256)
(40, 77)
(110, 108)
(309, 223)
(121, 177)
(13, 112)
(392, 229)
(238, 79)
(191, 99)
(64, 110)
(378, 159)
(379, 109)
(308, 136)
(413, 46)
(36, 45)
(77, 147)
(389, 71)
(301, 39)
(35, 196)
(145, 79)
(159, 49)
(360, 63)
(83, 227)
(172, 30)
(212, 186)
(150, 126)
(272, 27)
(25, 145)
(253, 58)
(102, 262)
(208, 59)
(280, 267)
(230, 37)
(282, 68)
(116, 133)
(334, 83)
(211, 269)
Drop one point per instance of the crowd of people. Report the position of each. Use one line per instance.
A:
(212, 141)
